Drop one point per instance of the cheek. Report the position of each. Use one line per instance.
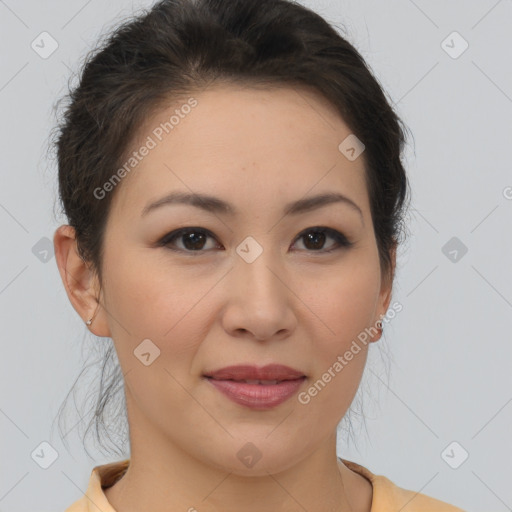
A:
(145, 301)
(151, 301)
(344, 300)
(345, 307)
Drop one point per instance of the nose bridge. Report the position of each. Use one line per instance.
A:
(258, 301)
(257, 266)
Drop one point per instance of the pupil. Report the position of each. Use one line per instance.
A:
(190, 238)
(314, 237)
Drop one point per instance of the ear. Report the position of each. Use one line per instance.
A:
(387, 283)
(80, 281)
(386, 290)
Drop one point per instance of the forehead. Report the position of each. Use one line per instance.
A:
(247, 145)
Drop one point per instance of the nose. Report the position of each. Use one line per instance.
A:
(259, 300)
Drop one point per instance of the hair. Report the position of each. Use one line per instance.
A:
(178, 47)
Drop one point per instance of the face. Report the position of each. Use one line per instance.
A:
(254, 284)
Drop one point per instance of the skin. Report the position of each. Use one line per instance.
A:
(295, 304)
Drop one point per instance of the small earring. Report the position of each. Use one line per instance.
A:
(379, 324)
(89, 322)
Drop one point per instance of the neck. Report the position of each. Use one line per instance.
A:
(163, 477)
(165, 483)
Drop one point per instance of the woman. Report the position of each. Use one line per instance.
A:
(231, 174)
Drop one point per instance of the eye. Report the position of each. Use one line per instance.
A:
(194, 239)
(315, 237)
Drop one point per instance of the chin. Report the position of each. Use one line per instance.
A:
(252, 459)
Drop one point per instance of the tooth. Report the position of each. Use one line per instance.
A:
(252, 381)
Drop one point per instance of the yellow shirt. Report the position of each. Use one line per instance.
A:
(387, 497)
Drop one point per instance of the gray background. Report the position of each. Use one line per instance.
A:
(450, 348)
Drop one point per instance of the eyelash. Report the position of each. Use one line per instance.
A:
(340, 238)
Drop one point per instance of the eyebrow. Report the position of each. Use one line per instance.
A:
(216, 205)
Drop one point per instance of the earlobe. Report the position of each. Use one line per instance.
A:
(80, 281)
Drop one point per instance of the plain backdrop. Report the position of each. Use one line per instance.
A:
(441, 422)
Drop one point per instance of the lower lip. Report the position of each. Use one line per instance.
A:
(257, 396)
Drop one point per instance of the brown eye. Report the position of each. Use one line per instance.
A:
(314, 239)
(195, 240)
(192, 239)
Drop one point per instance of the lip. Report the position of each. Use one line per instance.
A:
(229, 381)
(251, 372)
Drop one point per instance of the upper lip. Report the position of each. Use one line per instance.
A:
(251, 372)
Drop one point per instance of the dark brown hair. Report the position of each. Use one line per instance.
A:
(183, 46)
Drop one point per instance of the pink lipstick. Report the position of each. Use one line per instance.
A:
(257, 387)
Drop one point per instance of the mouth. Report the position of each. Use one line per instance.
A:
(256, 387)
(269, 374)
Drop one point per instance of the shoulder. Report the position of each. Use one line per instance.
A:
(78, 506)
(388, 496)
(103, 476)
